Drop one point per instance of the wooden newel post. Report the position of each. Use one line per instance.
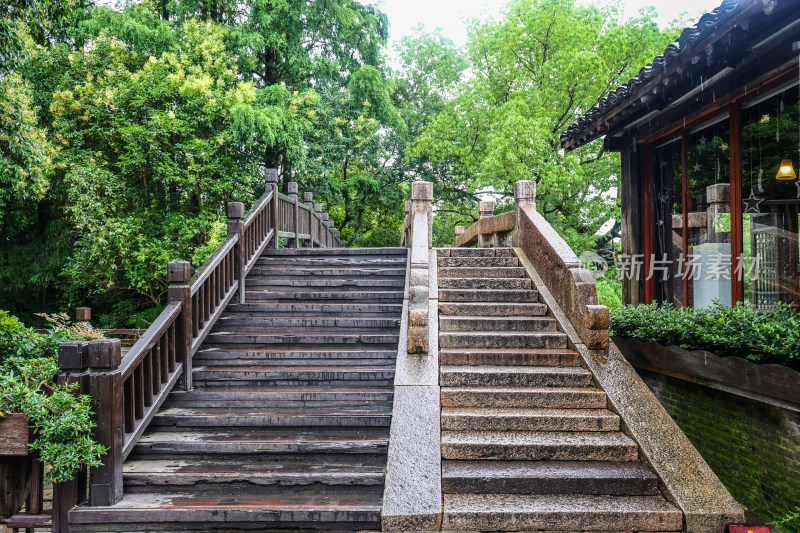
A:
(271, 185)
(236, 227)
(338, 236)
(105, 388)
(325, 227)
(308, 199)
(73, 363)
(291, 189)
(179, 290)
(524, 196)
(486, 209)
(83, 314)
(318, 223)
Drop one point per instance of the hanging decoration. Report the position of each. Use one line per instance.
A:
(753, 203)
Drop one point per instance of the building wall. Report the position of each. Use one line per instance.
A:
(753, 447)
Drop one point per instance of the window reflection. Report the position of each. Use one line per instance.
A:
(668, 263)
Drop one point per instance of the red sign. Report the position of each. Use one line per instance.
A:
(743, 528)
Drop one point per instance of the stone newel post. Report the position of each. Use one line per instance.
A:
(421, 241)
(524, 196)
(308, 199)
(486, 209)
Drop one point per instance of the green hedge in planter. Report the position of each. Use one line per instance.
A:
(63, 422)
(772, 337)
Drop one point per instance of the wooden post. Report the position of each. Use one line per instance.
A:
(486, 209)
(105, 388)
(308, 199)
(73, 362)
(318, 223)
(324, 219)
(179, 290)
(271, 184)
(338, 236)
(291, 188)
(236, 227)
(83, 314)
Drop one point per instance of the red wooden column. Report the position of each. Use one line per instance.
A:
(737, 289)
(647, 215)
(686, 205)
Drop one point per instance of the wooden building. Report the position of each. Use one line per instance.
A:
(709, 135)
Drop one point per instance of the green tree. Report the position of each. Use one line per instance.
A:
(533, 73)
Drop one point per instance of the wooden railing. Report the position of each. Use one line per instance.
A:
(128, 390)
(563, 273)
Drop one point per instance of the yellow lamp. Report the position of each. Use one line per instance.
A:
(786, 171)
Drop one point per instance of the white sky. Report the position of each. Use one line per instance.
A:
(450, 15)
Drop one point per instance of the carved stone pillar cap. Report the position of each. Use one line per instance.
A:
(525, 191)
(235, 210)
(486, 208)
(422, 190)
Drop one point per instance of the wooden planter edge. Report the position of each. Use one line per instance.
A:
(15, 434)
(771, 381)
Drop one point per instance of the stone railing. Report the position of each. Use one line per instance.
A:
(419, 239)
(127, 389)
(561, 270)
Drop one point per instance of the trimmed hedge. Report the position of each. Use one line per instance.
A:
(761, 337)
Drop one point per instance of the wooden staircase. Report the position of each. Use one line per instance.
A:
(287, 424)
(528, 443)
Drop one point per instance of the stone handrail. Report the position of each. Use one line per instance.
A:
(563, 273)
(418, 234)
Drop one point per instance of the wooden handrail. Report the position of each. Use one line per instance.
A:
(129, 390)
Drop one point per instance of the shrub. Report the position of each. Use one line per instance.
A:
(63, 421)
(765, 337)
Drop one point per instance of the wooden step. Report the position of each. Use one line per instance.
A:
(335, 252)
(614, 478)
(302, 416)
(276, 354)
(314, 308)
(337, 296)
(518, 512)
(266, 397)
(281, 283)
(288, 376)
(327, 272)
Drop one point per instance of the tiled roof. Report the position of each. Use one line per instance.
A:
(674, 53)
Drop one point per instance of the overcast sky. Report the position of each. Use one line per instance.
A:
(449, 15)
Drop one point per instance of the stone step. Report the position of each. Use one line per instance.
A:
(488, 295)
(290, 376)
(485, 262)
(165, 443)
(331, 272)
(538, 446)
(325, 309)
(482, 272)
(551, 340)
(344, 284)
(241, 322)
(208, 354)
(524, 397)
(266, 397)
(330, 470)
(234, 511)
(492, 309)
(302, 416)
(527, 419)
(475, 252)
(504, 284)
(337, 296)
(613, 478)
(559, 512)
(507, 357)
(341, 252)
(503, 324)
(513, 376)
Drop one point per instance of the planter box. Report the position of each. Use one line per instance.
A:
(15, 434)
(772, 381)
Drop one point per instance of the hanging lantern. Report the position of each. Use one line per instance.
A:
(786, 171)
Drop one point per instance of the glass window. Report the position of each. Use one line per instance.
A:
(668, 261)
(709, 262)
(769, 267)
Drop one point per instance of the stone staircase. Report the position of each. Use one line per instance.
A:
(528, 442)
(287, 425)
